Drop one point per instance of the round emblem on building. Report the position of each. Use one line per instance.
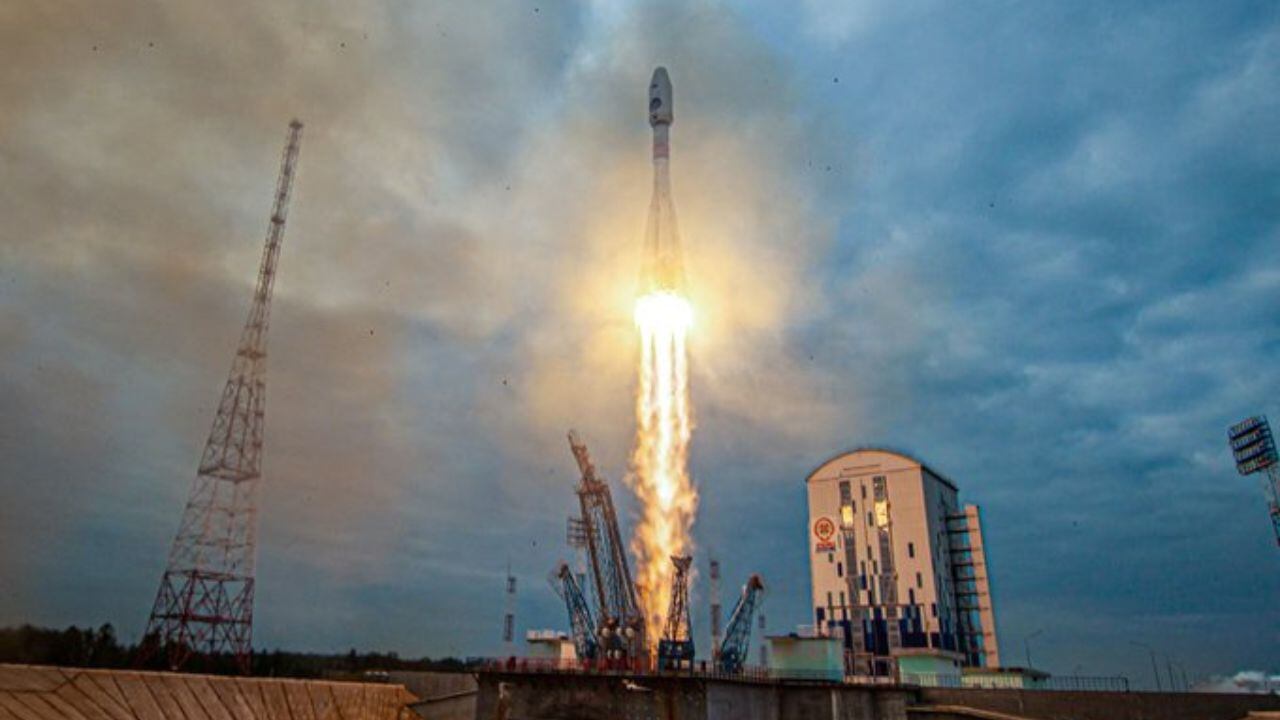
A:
(824, 529)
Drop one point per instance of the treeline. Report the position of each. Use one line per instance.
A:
(74, 646)
(100, 648)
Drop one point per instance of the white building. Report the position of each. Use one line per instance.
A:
(898, 566)
(549, 645)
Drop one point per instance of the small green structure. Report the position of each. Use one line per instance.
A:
(797, 657)
(928, 666)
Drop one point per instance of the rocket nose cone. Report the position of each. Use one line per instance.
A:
(660, 105)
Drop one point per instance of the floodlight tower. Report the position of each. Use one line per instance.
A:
(205, 601)
(1254, 449)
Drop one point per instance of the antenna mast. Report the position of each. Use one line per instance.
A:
(205, 601)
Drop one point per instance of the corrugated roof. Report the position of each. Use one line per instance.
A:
(35, 692)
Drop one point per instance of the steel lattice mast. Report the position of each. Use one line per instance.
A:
(621, 622)
(675, 647)
(205, 601)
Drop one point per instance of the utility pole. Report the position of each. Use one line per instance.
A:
(205, 601)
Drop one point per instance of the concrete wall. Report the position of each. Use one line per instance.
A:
(1062, 705)
(441, 695)
(843, 703)
(588, 697)
(592, 697)
(731, 701)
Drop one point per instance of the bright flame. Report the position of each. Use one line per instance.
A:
(663, 427)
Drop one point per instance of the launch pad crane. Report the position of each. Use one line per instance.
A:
(737, 636)
(621, 626)
(675, 648)
(582, 627)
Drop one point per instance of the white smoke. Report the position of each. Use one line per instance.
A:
(1245, 681)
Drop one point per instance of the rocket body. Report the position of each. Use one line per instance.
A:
(663, 263)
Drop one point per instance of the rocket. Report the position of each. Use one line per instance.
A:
(663, 264)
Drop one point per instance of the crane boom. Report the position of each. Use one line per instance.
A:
(582, 627)
(737, 636)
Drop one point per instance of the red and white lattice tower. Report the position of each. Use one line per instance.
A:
(205, 602)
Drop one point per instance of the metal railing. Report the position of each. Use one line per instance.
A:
(708, 671)
(633, 668)
(1085, 683)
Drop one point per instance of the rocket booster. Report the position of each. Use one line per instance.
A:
(663, 264)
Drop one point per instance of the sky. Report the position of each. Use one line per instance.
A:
(1035, 245)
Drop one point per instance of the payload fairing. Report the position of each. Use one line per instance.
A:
(663, 265)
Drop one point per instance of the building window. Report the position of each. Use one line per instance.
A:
(919, 580)
(831, 557)
(911, 596)
(829, 603)
(864, 491)
(911, 549)
(820, 614)
(842, 603)
(839, 569)
(845, 495)
(933, 609)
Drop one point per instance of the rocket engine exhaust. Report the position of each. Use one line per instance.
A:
(664, 422)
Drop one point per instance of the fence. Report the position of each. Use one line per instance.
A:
(631, 668)
(708, 671)
(1015, 681)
